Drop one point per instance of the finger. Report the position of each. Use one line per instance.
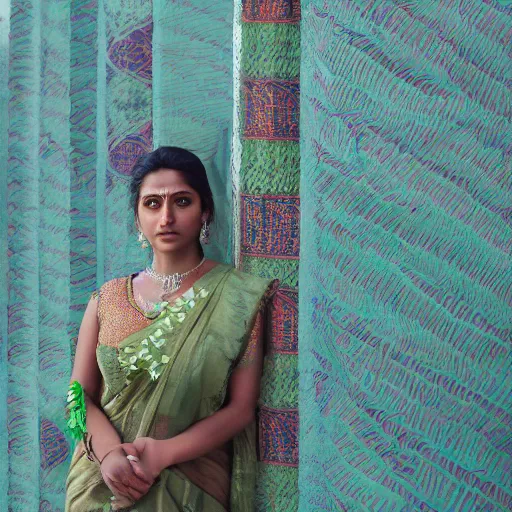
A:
(136, 487)
(137, 484)
(110, 484)
(129, 449)
(121, 490)
(119, 503)
(135, 495)
(140, 473)
(116, 494)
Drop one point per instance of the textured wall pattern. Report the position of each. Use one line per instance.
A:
(193, 96)
(271, 11)
(76, 121)
(271, 109)
(285, 321)
(270, 226)
(406, 289)
(279, 439)
(4, 125)
(38, 199)
(126, 106)
(269, 235)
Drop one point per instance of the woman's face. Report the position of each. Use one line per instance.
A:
(169, 211)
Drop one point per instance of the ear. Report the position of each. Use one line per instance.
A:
(205, 217)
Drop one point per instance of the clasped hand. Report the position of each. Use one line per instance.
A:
(130, 479)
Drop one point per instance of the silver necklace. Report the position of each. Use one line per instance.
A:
(170, 282)
(146, 305)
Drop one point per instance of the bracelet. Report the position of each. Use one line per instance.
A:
(108, 453)
(89, 451)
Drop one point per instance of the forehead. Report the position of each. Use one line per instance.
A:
(164, 180)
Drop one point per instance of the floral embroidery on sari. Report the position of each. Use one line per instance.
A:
(147, 355)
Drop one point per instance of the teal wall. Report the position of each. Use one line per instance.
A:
(405, 276)
(193, 96)
(405, 235)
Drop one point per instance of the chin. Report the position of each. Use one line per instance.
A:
(168, 248)
(172, 247)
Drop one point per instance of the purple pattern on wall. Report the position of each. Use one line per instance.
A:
(271, 11)
(285, 321)
(271, 109)
(270, 226)
(123, 154)
(278, 436)
(54, 445)
(133, 54)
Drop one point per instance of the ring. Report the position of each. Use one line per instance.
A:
(132, 457)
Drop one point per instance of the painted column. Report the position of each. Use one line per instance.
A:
(268, 182)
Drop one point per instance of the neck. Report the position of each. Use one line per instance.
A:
(172, 263)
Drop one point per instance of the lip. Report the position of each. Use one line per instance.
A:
(169, 234)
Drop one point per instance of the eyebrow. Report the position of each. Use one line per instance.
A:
(153, 194)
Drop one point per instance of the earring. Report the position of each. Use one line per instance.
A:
(143, 240)
(204, 237)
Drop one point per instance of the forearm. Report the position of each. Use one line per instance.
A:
(204, 436)
(104, 435)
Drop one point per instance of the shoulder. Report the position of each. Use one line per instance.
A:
(111, 295)
(112, 287)
(115, 283)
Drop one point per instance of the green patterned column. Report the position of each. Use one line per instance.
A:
(268, 182)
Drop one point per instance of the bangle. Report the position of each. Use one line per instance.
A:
(108, 453)
(89, 451)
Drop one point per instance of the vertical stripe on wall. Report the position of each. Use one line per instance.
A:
(406, 274)
(38, 188)
(193, 103)
(22, 397)
(129, 128)
(236, 145)
(4, 262)
(269, 226)
(83, 125)
(53, 357)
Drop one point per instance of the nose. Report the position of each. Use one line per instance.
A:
(167, 215)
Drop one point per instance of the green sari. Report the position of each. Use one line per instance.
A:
(170, 375)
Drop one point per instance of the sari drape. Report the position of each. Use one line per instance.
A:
(191, 356)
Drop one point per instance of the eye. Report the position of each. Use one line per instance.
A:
(152, 203)
(183, 201)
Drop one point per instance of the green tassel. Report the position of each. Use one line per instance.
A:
(76, 411)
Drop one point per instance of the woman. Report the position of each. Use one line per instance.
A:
(169, 360)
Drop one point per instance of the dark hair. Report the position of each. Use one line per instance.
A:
(178, 159)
